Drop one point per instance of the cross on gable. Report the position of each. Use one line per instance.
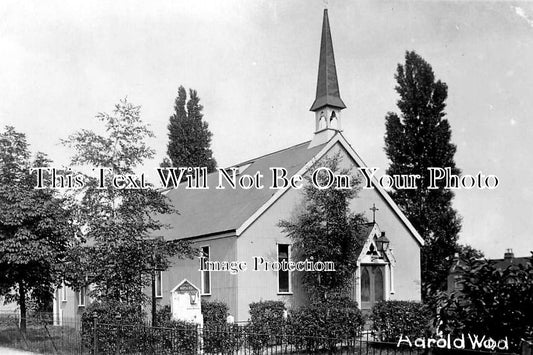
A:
(374, 209)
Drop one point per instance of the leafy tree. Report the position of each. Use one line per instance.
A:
(36, 229)
(467, 252)
(325, 229)
(415, 140)
(493, 301)
(189, 135)
(119, 223)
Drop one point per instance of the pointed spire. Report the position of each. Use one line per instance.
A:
(327, 88)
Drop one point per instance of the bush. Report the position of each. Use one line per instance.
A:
(163, 315)
(219, 337)
(109, 317)
(391, 319)
(324, 324)
(266, 320)
(176, 337)
(214, 312)
(494, 301)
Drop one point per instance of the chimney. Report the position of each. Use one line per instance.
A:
(508, 254)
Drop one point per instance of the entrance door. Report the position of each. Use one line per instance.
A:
(372, 285)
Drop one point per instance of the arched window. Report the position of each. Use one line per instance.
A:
(333, 121)
(378, 285)
(372, 285)
(322, 121)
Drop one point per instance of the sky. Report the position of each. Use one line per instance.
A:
(254, 65)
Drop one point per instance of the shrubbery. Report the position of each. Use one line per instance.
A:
(174, 335)
(214, 312)
(122, 325)
(323, 324)
(108, 315)
(218, 335)
(391, 319)
(493, 302)
(266, 321)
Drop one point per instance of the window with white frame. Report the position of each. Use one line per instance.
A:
(82, 296)
(206, 274)
(63, 292)
(159, 284)
(283, 275)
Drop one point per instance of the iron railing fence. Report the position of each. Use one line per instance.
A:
(94, 338)
(240, 340)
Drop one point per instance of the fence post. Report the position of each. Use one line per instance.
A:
(95, 335)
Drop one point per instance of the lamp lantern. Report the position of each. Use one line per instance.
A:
(382, 243)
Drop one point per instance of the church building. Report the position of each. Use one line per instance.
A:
(239, 224)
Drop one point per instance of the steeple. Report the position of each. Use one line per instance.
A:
(327, 88)
(328, 102)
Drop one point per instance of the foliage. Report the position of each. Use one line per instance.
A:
(392, 319)
(214, 312)
(218, 335)
(112, 312)
(119, 223)
(123, 325)
(267, 313)
(322, 325)
(493, 301)
(163, 314)
(189, 135)
(176, 337)
(415, 140)
(325, 229)
(108, 315)
(467, 252)
(266, 320)
(36, 229)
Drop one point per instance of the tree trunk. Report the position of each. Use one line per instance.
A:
(22, 304)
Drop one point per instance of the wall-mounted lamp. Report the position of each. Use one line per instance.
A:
(382, 243)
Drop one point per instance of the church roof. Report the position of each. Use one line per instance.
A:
(327, 88)
(231, 211)
(215, 211)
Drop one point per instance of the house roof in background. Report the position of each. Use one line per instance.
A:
(506, 262)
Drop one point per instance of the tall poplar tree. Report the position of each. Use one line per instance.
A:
(189, 135)
(416, 139)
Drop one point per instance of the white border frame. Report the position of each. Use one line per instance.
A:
(84, 303)
(63, 292)
(160, 294)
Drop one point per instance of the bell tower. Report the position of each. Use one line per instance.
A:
(328, 103)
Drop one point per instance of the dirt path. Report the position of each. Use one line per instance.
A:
(8, 351)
